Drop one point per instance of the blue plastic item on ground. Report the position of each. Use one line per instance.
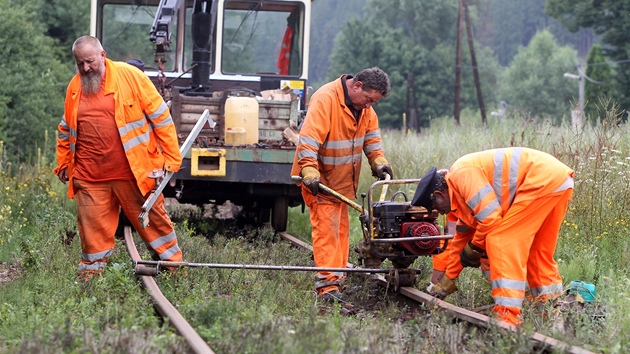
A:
(585, 289)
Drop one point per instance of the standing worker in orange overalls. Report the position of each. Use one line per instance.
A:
(116, 130)
(513, 201)
(340, 126)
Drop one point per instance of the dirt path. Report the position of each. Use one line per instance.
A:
(8, 273)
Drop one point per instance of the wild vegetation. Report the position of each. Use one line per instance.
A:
(45, 309)
(414, 41)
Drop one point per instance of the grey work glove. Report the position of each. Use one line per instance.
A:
(471, 256)
(380, 166)
(442, 289)
(381, 170)
(310, 179)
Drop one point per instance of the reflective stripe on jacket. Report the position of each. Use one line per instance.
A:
(332, 140)
(483, 185)
(144, 122)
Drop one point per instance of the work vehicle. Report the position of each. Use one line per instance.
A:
(246, 61)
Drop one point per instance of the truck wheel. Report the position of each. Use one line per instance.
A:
(280, 214)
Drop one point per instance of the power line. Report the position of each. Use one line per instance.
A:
(548, 67)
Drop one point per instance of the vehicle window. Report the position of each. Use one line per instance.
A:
(253, 40)
(126, 31)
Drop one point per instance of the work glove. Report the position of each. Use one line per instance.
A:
(380, 167)
(63, 175)
(444, 288)
(310, 179)
(471, 255)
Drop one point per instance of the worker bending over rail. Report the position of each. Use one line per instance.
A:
(440, 261)
(340, 125)
(510, 204)
(116, 130)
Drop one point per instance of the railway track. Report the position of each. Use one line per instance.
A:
(164, 307)
(147, 269)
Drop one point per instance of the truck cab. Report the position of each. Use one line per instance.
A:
(246, 61)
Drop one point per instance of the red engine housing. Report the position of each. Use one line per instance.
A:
(420, 229)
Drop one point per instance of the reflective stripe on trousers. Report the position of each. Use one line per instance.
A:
(331, 230)
(521, 252)
(98, 205)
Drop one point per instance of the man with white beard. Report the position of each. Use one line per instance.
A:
(115, 132)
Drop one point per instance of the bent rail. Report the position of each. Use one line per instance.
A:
(164, 307)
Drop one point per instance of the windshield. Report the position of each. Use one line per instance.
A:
(125, 34)
(258, 37)
(256, 41)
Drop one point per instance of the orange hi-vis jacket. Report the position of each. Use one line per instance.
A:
(332, 140)
(483, 185)
(144, 122)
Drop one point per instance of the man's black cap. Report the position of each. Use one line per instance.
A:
(137, 63)
(425, 188)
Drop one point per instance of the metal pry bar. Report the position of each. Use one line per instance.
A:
(335, 194)
(262, 267)
(148, 204)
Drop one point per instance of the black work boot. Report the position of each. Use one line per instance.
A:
(334, 296)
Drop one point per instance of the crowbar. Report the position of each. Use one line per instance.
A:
(163, 179)
(335, 194)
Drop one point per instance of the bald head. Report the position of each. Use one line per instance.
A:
(87, 42)
(90, 59)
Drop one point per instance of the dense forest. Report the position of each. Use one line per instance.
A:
(522, 50)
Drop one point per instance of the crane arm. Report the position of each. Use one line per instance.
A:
(161, 30)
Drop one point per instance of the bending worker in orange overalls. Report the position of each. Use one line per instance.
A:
(116, 129)
(340, 126)
(440, 261)
(513, 201)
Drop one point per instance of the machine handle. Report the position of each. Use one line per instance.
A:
(384, 189)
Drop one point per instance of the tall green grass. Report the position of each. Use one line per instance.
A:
(46, 310)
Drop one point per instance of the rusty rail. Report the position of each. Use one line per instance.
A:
(469, 316)
(482, 320)
(198, 345)
(164, 307)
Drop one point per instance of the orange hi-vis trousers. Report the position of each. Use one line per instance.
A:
(331, 239)
(521, 252)
(98, 205)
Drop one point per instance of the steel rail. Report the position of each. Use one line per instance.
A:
(482, 320)
(158, 264)
(164, 307)
(198, 345)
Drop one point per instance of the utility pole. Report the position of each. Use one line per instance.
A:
(412, 115)
(577, 116)
(473, 59)
(581, 68)
(458, 62)
(415, 113)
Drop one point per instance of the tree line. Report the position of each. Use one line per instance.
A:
(35, 41)
(523, 48)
